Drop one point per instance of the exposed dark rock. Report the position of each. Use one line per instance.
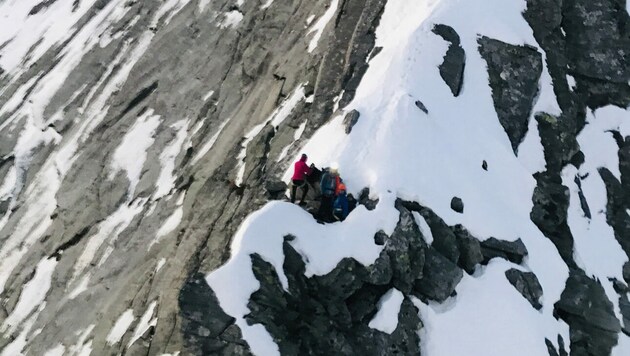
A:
(457, 205)
(561, 351)
(41, 6)
(375, 52)
(452, 68)
(511, 251)
(626, 272)
(444, 240)
(350, 120)
(380, 238)
(514, 72)
(364, 199)
(583, 202)
(439, 277)
(422, 107)
(484, 165)
(406, 249)
(616, 208)
(469, 249)
(624, 308)
(527, 284)
(4, 206)
(275, 189)
(327, 314)
(549, 213)
(204, 324)
(141, 96)
(585, 307)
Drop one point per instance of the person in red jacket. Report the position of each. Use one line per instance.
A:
(301, 171)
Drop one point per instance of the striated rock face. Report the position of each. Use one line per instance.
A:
(180, 82)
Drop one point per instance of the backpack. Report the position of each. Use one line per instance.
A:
(328, 184)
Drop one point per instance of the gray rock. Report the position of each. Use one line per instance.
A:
(328, 314)
(511, 251)
(439, 277)
(350, 120)
(469, 249)
(452, 68)
(527, 284)
(592, 323)
(514, 72)
(406, 249)
(457, 205)
(380, 238)
(626, 272)
(484, 165)
(204, 323)
(444, 240)
(364, 199)
(275, 189)
(422, 107)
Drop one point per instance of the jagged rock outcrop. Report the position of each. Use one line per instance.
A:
(586, 308)
(330, 313)
(512, 251)
(514, 72)
(527, 284)
(206, 328)
(452, 69)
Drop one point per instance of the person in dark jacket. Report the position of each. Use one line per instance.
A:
(328, 186)
(300, 173)
(340, 208)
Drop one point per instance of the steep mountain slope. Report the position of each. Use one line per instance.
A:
(141, 142)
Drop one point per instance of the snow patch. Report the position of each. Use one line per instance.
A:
(120, 327)
(386, 319)
(208, 145)
(108, 230)
(132, 152)
(424, 227)
(160, 264)
(320, 25)
(169, 225)
(231, 19)
(32, 295)
(81, 287)
(166, 180)
(58, 350)
(146, 321)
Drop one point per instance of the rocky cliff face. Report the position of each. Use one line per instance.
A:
(138, 137)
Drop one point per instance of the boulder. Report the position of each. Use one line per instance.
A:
(584, 306)
(527, 284)
(275, 189)
(452, 68)
(469, 249)
(422, 107)
(350, 120)
(457, 205)
(439, 277)
(512, 251)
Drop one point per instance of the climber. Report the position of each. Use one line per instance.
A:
(328, 186)
(340, 208)
(300, 174)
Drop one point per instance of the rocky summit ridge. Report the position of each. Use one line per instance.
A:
(146, 147)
